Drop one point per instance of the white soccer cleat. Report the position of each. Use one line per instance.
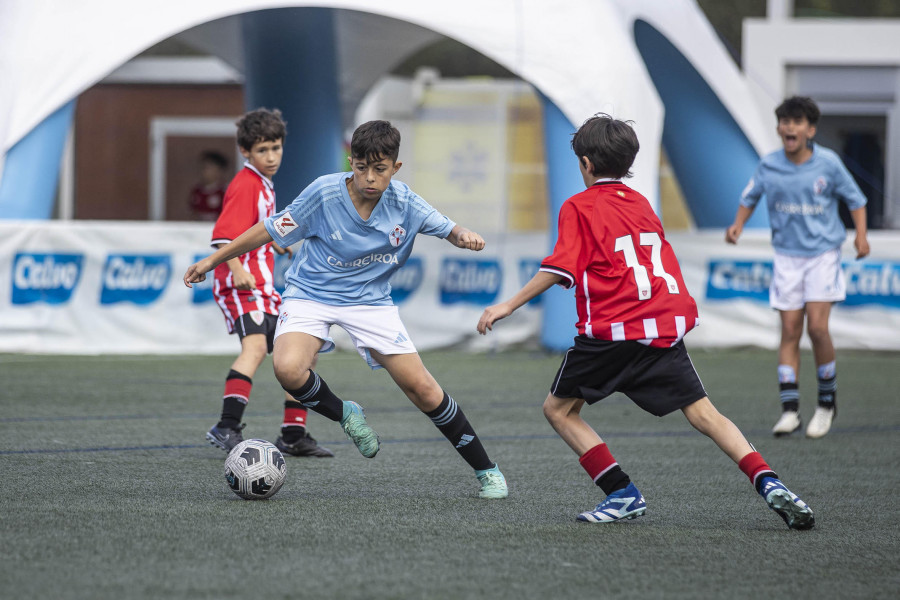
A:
(788, 423)
(820, 423)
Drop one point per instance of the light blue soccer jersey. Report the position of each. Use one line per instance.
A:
(345, 259)
(803, 200)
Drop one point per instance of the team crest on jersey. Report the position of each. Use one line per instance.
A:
(257, 316)
(820, 185)
(285, 224)
(397, 235)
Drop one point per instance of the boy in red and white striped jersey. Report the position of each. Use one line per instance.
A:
(633, 311)
(244, 286)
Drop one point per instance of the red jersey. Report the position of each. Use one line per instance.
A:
(611, 246)
(206, 202)
(249, 199)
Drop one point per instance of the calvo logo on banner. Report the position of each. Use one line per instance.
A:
(868, 282)
(470, 281)
(731, 279)
(202, 291)
(45, 277)
(873, 283)
(137, 278)
(407, 279)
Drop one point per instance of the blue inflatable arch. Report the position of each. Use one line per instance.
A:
(711, 156)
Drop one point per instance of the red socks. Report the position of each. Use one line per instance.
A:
(597, 461)
(294, 417)
(755, 467)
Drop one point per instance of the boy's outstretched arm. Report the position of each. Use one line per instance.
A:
(465, 238)
(539, 284)
(251, 239)
(734, 231)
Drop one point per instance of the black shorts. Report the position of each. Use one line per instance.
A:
(245, 326)
(659, 380)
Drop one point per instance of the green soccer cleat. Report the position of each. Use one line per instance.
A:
(356, 428)
(493, 483)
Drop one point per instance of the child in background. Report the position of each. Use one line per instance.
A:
(207, 196)
(244, 286)
(803, 184)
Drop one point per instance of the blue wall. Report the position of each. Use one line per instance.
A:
(563, 180)
(31, 171)
(709, 153)
(291, 64)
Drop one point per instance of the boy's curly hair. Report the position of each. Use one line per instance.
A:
(796, 107)
(260, 125)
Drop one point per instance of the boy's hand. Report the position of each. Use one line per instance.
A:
(464, 238)
(491, 315)
(196, 273)
(242, 280)
(279, 250)
(862, 246)
(733, 233)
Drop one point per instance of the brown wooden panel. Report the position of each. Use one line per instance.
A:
(112, 146)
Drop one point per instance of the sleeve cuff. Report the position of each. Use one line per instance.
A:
(568, 279)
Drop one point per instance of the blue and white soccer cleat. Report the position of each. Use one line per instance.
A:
(789, 507)
(627, 503)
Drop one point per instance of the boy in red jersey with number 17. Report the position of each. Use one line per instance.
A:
(633, 311)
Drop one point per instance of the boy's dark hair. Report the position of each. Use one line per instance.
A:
(375, 141)
(260, 125)
(796, 107)
(610, 145)
(216, 158)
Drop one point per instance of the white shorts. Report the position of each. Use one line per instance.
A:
(797, 280)
(375, 327)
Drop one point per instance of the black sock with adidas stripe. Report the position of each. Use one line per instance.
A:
(315, 395)
(448, 417)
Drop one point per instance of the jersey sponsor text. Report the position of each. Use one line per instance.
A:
(375, 257)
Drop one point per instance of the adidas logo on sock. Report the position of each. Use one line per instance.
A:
(337, 235)
(464, 440)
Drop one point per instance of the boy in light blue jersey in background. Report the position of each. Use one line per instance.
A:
(803, 184)
(358, 229)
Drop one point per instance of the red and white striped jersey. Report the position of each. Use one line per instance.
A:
(249, 199)
(612, 248)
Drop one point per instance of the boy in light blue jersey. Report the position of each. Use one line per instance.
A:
(346, 259)
(358, 228)
(803, 184)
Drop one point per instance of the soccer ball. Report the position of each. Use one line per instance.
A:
(255, 470)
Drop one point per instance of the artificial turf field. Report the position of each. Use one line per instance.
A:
(110, 491)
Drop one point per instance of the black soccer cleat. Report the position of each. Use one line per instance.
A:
(305, 446)
(224, 437)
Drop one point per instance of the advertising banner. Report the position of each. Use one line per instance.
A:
(731, 286)
(115, 287)
(92, 287)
